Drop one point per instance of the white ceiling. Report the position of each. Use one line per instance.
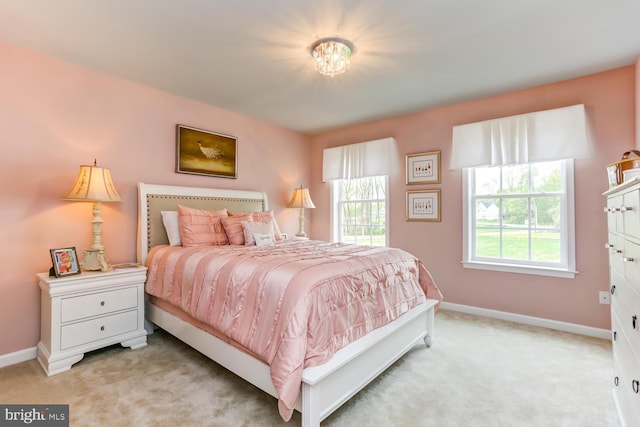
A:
(252, 56)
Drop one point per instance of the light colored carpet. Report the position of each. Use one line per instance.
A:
(480, 372)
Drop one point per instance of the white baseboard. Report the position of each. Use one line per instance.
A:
(18, 356)
(529, 320)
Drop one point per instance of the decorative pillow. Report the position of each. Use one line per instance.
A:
(199, 227)
(171, 226)
(268, 216)
(250, 228)
(265, 239)
(233, 227)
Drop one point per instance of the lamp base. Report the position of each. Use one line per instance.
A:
(94, 260)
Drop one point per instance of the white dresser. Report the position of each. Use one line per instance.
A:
(623, 214)
(88, 311)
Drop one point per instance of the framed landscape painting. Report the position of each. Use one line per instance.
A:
(202, 152)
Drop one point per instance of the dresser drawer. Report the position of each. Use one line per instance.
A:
(97, 304)
(614, 217)
(631, 213)
(626, 368)
(615, 247)
(80, 333)
(631, 260)
(624, 309)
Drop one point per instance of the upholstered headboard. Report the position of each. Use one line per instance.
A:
(153, 199)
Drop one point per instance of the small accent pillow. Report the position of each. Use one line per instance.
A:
(233, 227)
(263, 216)
(266, 216)
(171, 226)
(251, 228)
(265, 239)
(199, 227)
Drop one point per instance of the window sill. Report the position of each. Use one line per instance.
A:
(521, 269)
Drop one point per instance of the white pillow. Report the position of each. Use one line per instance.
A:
(264, 239)
(170, 221)
(250, 228)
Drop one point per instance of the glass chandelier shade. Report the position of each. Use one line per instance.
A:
(332, 56)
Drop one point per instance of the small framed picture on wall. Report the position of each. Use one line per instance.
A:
(423, 168)
(423, 205)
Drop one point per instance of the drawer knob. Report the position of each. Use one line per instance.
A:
(615, 335)
(634, 321)
(615, 381)
(625, 209)
(635, 385)
(627, 259)
(101, 303)
(102, 328)
(613, 289)
(608, 245)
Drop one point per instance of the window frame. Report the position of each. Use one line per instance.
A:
(567, 269)
(336, 208)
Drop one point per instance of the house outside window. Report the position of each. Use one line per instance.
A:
(360, 211)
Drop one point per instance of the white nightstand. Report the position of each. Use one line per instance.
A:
(89, 311)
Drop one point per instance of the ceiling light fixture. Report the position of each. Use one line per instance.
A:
(331, 55)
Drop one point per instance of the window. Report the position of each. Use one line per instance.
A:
(520, 218)
(360, 211)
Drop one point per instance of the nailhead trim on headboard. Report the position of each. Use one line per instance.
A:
(200, 202)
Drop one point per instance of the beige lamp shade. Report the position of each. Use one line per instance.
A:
(301, 199)
(94, 184)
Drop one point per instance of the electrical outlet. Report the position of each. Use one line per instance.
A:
(605, 297)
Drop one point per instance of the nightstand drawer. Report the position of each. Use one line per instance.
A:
(98, 303)
(98, 329)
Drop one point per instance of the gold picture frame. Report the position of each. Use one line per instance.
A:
(423, 168)
(65, 261)
(423, 205)
(201, 152)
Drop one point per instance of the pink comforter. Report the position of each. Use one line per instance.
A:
(293, 304)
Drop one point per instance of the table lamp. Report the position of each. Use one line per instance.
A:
(94, 184)
(301, 200)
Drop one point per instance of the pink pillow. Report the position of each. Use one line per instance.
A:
(233, 227)
(199, 227)
(267, 216)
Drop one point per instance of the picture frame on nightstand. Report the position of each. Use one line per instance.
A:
(65, 261)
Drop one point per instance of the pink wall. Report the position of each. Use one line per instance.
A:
(55, 116)
(609, 98)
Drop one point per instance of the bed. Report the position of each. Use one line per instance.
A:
(322, 388)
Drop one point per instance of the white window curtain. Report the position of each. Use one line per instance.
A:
(372, 158)
(556, 134)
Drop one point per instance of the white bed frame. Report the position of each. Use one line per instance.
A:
(324, 388)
